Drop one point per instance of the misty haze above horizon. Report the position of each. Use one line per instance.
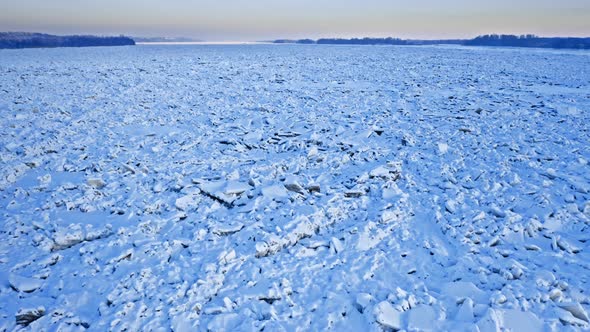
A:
(268, 19)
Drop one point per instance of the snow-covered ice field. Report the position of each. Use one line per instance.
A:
(294, 188)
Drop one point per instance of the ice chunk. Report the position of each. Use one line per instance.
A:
(422, 318)
(362, 301)
(451, 206)
(211, 186)
(465, 313)
(498, 298)
(496, 211)
(355, 192)
(275, 191)
(65, 238)
(387, 316)
(392, 172)
(225, 230)
(490, 322)
(224, 322)
(97, 183)
(222, 191)
(464, 289)
(27, 316)
(292, 184)
(516, 320)
(262, 249)
(158, 187)
(315, 188)
(184, 203)
(336, 245)
(236, 188)
(576, 310)
(567, 317)
(22, 284)
(226, 256)
(379, 172)
(389, 216)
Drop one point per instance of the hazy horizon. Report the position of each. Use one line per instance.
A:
(267, 20)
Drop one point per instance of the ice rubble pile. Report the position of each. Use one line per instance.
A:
(292, 187)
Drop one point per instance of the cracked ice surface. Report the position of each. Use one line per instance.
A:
(294, 188)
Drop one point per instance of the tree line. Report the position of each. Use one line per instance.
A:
(38, 40)
(530, 41)
(485, 40)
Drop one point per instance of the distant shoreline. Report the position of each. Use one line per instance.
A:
(20, 40)
(525, 41)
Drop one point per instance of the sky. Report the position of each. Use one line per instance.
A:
(240, 20)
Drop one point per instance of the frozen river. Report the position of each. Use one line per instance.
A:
(291, 187)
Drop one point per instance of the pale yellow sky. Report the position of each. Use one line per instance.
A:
(271, 19)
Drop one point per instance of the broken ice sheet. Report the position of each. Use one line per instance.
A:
(393, 187)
